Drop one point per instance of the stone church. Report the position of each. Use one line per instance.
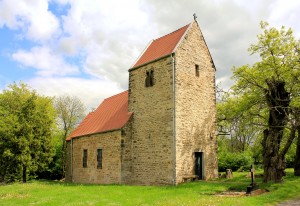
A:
(162, 130)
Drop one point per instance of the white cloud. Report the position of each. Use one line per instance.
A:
(32, 17)
(107, 35)
(91, 91)
(286, 13)
(44, 61)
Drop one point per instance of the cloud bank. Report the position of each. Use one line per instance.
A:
(85, 47)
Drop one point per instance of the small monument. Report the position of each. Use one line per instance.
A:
(229, 174)
(253, 186)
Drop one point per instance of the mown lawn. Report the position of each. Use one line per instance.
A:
(194, 193)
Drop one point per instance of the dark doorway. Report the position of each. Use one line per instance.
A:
(199, 165)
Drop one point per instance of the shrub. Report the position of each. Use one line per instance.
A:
(235, 161)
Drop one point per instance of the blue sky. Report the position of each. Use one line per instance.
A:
(84, 48)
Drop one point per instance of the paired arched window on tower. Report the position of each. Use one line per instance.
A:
(149, 81)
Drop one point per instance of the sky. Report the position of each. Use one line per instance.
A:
(84, 48)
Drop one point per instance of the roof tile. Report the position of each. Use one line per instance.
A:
(161, 47)
(111, 114)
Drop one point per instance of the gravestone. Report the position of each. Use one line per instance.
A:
(228, 174)
(253, 186)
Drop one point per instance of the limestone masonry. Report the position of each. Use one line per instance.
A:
(162, 131)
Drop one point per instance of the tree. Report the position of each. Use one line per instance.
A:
(70, 111)
(236, 123)
(27, 121)
(274, 83)
(296, 127)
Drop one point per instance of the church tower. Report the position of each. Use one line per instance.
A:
(172, 97)
(162, 131)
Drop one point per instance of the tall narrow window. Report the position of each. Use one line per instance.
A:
(151, 78)
(99, 158)
(149, 81)
(84, 158)
(197, 72)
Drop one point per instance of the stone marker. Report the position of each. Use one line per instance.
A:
(253, 186)
(229, 174)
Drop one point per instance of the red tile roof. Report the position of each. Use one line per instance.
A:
(110, 115)
(161, 47)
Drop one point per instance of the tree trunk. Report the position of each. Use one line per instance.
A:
(24, 174)
(278, 101)
(297, 157)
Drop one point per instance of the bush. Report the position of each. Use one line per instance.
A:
(235, 161)
(290, 156)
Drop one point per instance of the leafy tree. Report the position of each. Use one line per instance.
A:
(296, 129)
(26, 124)
(70, 111)
(273, 85)
(237, 123)
(54, 170)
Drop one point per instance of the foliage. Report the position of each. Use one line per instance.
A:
(193, 193)
(54, 171)
(256, 149)
(70, 112)
(290, 156)
(234, 161)
(237, 123)
(26, 124)
(264, 97)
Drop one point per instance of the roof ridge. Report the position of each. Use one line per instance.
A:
(115, 95)
(171, 32)
(161, 47)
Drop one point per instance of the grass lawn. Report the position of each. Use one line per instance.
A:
(193, 193)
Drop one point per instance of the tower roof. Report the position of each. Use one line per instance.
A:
(111, 114)
(161, 47)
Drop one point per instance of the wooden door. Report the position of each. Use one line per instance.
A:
(199, 165)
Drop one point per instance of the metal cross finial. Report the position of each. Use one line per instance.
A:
(195, 16)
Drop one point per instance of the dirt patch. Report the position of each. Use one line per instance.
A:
(295, 202)
(231, 194)
(13, 196)
(240, 194)
(258, 192)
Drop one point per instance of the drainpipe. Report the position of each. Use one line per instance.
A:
(174, 119)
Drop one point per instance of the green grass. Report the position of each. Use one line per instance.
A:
(194, 193)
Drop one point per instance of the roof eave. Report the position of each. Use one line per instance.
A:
(111, 130)
(106, 131)
(167, 55)
(142, 52)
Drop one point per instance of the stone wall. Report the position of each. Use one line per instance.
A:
(110, 173)
(195, 106)
(126, 153)
(68, 175)
(152, 134)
